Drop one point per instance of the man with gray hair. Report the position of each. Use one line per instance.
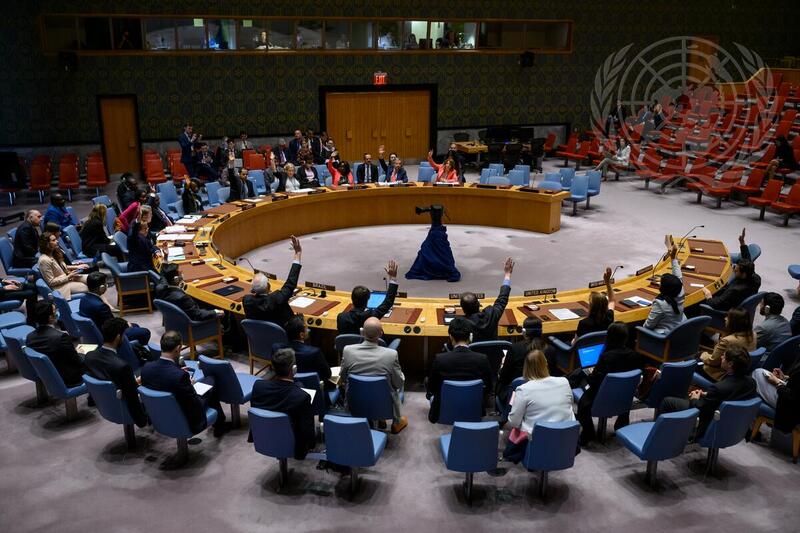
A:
(371, 359)
(273, 306)
(26, 240)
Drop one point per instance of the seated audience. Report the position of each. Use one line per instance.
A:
(165, 375)
(58, 275)
(169, 290)
(371, 359)
(288, 179)
(619, 158)
(667, 310)
(127, 191)
(460, 364)
(104, 363)
(514, 361)
(57, 212)
(616, 357)
(744, 283)
(307, 174)
(48, 340)
(367, 172)
(273, 306)
(141, 250)
(601, 310)
(734, 385)
(12, 289)
(781, 391)
(484, 322)
(133, 211)
(340, 175)
(281, 153)
(446, 172)
(192, 203)
(160, 218)
(309, 358)
(542, 398)
(352, 320)
(282, 395)
(94, 235)
(775, 328)
(739, 332)
(26, 240)
(784, 158)
(94, 306)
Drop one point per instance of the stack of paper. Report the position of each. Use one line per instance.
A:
(176, 253)
(302, 302)
(175, 228)
(564, 314)
(641, 301)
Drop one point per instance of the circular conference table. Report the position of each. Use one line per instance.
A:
(230, 230)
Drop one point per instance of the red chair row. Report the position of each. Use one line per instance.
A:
(784, 204)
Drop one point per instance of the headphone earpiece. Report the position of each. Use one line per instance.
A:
(766, 309)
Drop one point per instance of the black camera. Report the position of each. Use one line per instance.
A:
(435, 210)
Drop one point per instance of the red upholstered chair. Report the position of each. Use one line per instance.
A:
(96, 175)
(789, 204)
(769, 196)
(752, 186)
(722, 189)
(768, 156)
(41, 178)
(549, 143)
(154, 170)
(652, 168)
(68, 176)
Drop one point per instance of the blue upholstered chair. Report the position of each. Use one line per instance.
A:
(130, 284)
(7, 258)
(518, 177)
(111, 216)
(351, 442)
(526, 171)
(121, 240)
(680, 343)
(549, 186)
(730, 425)
(102, 199)
(498, 180)
(553, 177)
(168, 195)
(766, 414)
(235, 388)
(674, 381)
(794, 272)
(485, 175)
(494, 351)
(111, 406)
(212, 190)
(578, 192)
(15, 358)
(261, 336)
(701, 381)
(53, 383)
(755, 253)
(614, 397)
(126, 351)
(660, 440)
(462, 401)
(193, 332)
(259, 183)
(87, 329)
(169, 420)
(65, 309)
(783, 355)
(567, 354)
(567, 176)
(75, 241)
(273, 436)
(310, 380)
(504, 408)
(497, 168)
(223, 194)
(717, 324)
(425, 174)
(593, 187)
(470, 448)
(369, 397)
(346, 339)
(552, 447)
(10, 319)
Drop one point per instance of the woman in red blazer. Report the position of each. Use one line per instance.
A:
(340, 176)
(446, 172)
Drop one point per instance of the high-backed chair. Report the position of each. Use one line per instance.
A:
(674, 381)
(111, 216)
(717, 324)
(235, 388)
(111, 406)
(310, 380)
(53, 383)
(351, 442)
(593, 187)
(223, 194)
(470, 448)
(552, 447)
(462, 401)
(518, 177)
(766, 414)
(16, 359)
(494, 351)
(261, 336)
(567, 175)
(578, 192)
(7, 258)
(614, 397)
(567, 354)
(273, 436)
(783, 355)
(65, 309)
(129, 284)
(193, 332)
(75, 241)
(369, 397)
(753, 248)
(102, 199)
(660, 440)
(169, 420)
(729, 426)
(346, 339)
(87, 329)
(504, 408)
(682, 342)
(425, 174)
(701, 381)
(212, 190)
(121, 240)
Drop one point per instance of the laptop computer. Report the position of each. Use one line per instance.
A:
(375, 299)
(588, 355)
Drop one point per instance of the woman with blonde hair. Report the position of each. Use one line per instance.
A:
(541, 398)
(66, 279)
(94, 235)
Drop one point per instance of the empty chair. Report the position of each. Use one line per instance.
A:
(193, 332)
(122, 241)
(273, 436)
(470, 448)
(498, 180)
(102, 199)
(68, 176)
(212, 190)
(518, 177)
(369, 397)
(351, 442)
(111, 216)
(261, 336)
(168, 419)
(111, 406)
(682, 342)
(130, 284)
(593, 187)
(729, 428)
(223, 194)
(567, 175)
(552, 447)
(96, 174)
(65, 309)
(462, 401)
(674, 381)
(614, 397)
(497, 168)
(550, 186)
(87, 329)
(485, 175)
(15, 358)
(259, 183)
(53, 383)
(235, 388)
(660, 440)
(578, 192)
(425, 174)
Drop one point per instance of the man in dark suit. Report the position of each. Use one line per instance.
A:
(104, 363)
(273, 306)
(352, 320)
(187, 140)
(282, 155)
(55, 344)
(617, 117)
(282, 395)
(315, 145)
(367, 172)
(26, 240)
(484, 323)
(295, 145)
(166, 375)
(93, 307)
(169, 290)
(127, 191)
(736, 385)
(160, 219)
(744, 284)
(309, 358)
(461, 364)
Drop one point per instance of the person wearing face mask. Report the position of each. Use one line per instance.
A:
(95, 307)
(48, 340)
(57, 212)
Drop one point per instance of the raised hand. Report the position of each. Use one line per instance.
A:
(296, 245)
(391, 269)
(607, 275)
(741, 237)
(508, 267)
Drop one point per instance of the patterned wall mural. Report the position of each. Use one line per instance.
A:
(41, 104)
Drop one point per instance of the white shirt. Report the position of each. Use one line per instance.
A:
(292, 184)
(541, 400)
(624, 154)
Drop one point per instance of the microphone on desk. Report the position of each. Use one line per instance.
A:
(683, 239)
(615, 270)
(255, 270)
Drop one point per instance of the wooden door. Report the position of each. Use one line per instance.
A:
(119, 127)
(359, 122)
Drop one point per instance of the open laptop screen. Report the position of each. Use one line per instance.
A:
(589, 355)
(376, 299)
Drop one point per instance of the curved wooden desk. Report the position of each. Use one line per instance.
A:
(236, 228)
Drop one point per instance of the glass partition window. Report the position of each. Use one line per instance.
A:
(502, 35)
(281, 34)
(191, 34)
(127, 33)
(456, 35)
(415, 34)
(252, 34)
(337, 35)
(390, 35)
(60, 33)
(159, 34)
(361, 37)
(221, 34)
(94, 33)
(545, 36)
(309, 34)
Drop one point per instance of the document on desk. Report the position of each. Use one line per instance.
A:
(175, 228)
(310, 392)
(641, 301)
(83, 349)
(564, 314)
(301, 302)
(175, 237)
(202, 388)
(174, 250)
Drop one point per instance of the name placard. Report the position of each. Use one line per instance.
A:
(601, 283)
(540, 292)
(322, 286)
(317, 191)
(402, 295)
(457, 295)
(269, 275)
(247, 206)
(279, 197)
(643, 270)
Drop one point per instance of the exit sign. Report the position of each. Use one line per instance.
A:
(380, 78)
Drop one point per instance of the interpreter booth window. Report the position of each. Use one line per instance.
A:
(390, 35)
(362, 37)
(60, 33)
(454, 35)
(337, 35)
(252, 34)
(221, 34)
(127, 33)
(547, 36)
(509, 35)
(415, 35)
(309, 34)
(160, 34)
(191, 34)
(94, 33)
(281, 34)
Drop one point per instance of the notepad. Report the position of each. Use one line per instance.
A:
(302, 302)
(310, 392)
(83, 349)
(564, 314)
(202, 388)
(175, 250)
(175, 228)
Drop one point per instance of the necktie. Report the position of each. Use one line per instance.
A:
(394, 175)
(367, 173)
